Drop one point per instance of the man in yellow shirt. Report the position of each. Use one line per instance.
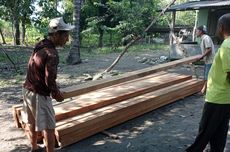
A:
(216, 112)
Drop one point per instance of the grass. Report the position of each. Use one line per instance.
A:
(20, 57)
(90, 52)
(11, 80)
(2, 58)
(134, 48)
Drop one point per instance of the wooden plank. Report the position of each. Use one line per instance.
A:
(62, 104)
(97, 128)
(86, 134)
(16, 113)
(26, 130)
(169, 78)
(18, 121)
(150, 96)
(65, 90)
(120, 115)
(77, 123)
(94, 85)
(107, 96)
(116, 93)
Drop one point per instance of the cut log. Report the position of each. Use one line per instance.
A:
(98, 84)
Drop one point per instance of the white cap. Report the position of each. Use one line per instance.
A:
(58, 24)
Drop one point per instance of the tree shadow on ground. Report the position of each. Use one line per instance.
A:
(21, 148)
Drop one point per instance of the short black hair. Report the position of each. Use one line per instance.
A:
(59, 32)
(224, 21)
(203, 29)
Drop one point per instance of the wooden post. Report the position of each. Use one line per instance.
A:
(173, 26)
(195, 26)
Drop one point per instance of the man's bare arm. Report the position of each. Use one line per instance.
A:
(207, 51)
(228, 76)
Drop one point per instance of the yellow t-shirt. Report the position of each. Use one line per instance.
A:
(218, 87)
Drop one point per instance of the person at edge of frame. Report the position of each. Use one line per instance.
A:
(40, 85)
(208, 53)
(214, 122)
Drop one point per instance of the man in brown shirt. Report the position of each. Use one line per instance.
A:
(40, 85)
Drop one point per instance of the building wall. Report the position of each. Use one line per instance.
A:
(209, 17)
(202, 17)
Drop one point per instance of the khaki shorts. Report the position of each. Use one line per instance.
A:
(38, 110)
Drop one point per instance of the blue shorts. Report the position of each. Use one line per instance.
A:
(207, 67)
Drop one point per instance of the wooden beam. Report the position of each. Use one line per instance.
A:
(173, 26)
(107, 117)
(110, 95)
(152, 97)
(16, 113)
(98, 84)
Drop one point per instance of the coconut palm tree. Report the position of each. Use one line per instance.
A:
(74, 53)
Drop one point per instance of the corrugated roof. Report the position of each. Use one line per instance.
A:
(195, 5)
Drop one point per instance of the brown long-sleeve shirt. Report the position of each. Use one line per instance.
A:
(42, 69)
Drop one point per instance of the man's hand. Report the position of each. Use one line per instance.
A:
(207, 51)
(58, 96)
(200, 57)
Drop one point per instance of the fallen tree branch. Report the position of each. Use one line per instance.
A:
(8, 57)
(138, 37)
(111, 135)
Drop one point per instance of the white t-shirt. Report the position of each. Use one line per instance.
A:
(206, 42)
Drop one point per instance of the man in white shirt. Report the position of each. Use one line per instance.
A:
(208, 52)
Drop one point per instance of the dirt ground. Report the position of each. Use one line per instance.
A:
(168, 129)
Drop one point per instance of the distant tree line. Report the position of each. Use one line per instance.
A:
(113, 21)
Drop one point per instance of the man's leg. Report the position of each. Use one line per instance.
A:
(201, 140)
(208, 126)
(207, 68)
(33, 136)
(203, 90)
(218, 140)
(49, 140)
(28, 116)
(31, 133)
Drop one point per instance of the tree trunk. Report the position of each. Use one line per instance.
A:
(23, 29)
(74, 53)
(3, 39)
(101, 13)
(16, 23)
(100, 40)
(56, 4)
(17, 32)
(12, 30)
(111, 38)
(194, 28)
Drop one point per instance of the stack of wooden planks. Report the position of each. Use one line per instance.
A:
(113, 101)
